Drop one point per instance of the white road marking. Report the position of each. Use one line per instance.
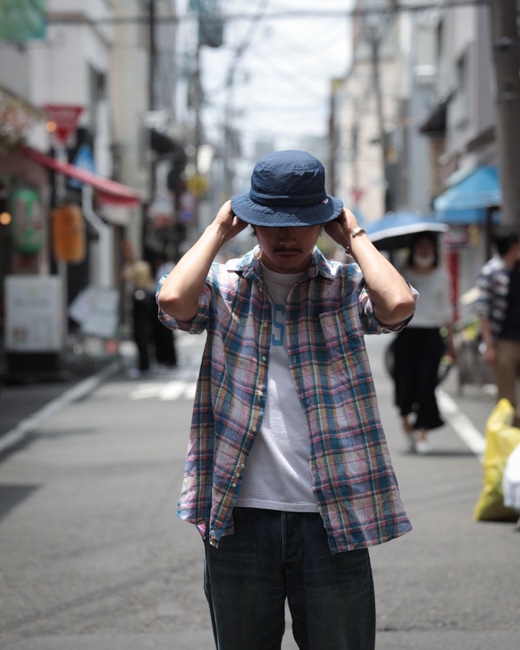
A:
(170, 390)
(461, 424)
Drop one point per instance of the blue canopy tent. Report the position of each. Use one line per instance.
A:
(469, 200)
(396, 229)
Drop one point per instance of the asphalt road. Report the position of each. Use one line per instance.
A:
(93, 557)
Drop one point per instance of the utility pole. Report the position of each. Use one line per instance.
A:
(375, 26)
(506, 56)
(375, 41)
(197, 105)
(152, 63)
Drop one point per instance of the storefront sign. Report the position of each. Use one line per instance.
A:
(33, 313)
(96, 311)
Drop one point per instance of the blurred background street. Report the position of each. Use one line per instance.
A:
(124, 125)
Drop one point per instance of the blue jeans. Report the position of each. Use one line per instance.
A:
(274, 556)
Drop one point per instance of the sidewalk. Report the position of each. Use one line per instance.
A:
(25, 405)
(26, 401)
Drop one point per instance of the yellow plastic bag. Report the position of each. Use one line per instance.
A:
(501, 440)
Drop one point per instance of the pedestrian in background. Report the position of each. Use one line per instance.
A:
(288, 476)
(127, 287)
(164, 337)
(144, 314)
(419, 348)
(498, 307)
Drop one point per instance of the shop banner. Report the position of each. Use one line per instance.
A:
(23, 20)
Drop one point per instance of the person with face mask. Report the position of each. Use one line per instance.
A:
(419, 349)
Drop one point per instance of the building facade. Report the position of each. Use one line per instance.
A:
(80, 98)
(426, 81)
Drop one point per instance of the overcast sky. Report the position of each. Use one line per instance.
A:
(283, 75)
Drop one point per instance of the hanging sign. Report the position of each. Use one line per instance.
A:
(187, 204)
(64, 118)
(84, 160)
(28, 220)
(68, 234)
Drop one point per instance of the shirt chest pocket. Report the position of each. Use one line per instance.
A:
(343, 342)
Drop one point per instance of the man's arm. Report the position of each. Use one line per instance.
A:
(483, 310)
(489, 353)
(390, 294)
(180, 291)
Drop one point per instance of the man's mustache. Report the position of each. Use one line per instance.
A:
(287, 249)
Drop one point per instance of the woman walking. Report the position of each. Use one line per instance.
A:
(420, 347)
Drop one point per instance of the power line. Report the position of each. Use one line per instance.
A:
(76, 19)
(246, 40)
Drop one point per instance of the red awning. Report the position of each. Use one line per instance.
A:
(109, 191)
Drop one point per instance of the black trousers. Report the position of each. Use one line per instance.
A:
(418, 352)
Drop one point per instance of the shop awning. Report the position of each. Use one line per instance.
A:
(108, 191)
(468, 200)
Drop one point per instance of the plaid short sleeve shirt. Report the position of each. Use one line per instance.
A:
(327, 315)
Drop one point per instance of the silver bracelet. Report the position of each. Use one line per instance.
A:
(357, 231)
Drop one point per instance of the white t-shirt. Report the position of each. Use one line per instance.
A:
(277, 475)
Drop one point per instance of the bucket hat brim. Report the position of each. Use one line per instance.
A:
(283, 216)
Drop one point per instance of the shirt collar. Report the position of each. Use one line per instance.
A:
(249, 265)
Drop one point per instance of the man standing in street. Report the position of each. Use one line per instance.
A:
(498, 307)
(288, 475)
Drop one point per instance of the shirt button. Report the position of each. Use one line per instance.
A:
(254, 431)
(233, 485)
(259, 393)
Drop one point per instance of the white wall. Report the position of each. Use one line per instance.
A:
(60, 68)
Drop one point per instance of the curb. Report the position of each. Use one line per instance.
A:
(30, 424)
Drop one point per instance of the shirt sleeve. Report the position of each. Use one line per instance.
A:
(371, 324)
(198, 324)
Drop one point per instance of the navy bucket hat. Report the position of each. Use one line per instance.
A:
(287, 189)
